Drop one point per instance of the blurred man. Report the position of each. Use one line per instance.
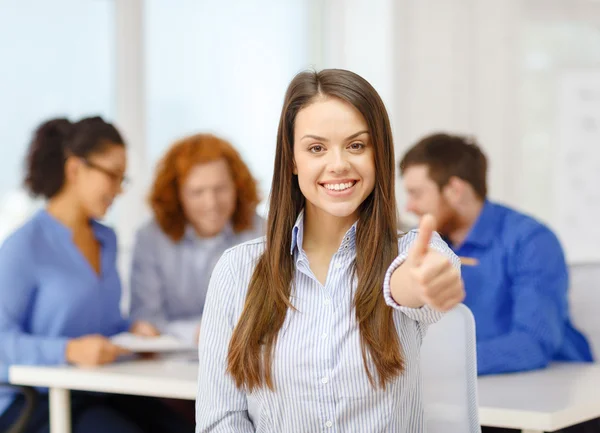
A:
(514, 269)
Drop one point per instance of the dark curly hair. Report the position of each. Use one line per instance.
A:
(57, 139)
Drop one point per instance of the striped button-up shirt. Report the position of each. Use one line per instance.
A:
(320, 381)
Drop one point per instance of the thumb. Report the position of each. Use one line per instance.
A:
(421, 245)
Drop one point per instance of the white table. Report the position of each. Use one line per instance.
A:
(157, 378)
(542, 401)
(546, 400)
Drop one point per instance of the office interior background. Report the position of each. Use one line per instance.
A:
(521, 76)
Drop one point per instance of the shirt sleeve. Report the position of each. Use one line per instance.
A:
(17, 294)
(424, 314)
(220, 406)
(539, 291)
(146, 284)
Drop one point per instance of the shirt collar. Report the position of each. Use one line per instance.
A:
(297, 232)
(101, 232)
(483, 231)
(190, 233)
(349, 241)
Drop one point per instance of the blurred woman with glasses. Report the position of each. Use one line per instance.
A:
(59, 286)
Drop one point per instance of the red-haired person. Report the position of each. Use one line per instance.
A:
(204, 201)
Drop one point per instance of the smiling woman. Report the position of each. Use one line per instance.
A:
(336, 168)
(301, 330)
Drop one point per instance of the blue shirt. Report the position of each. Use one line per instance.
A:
(49, 293)
(516, 282)
(169, 279)
(318, 372)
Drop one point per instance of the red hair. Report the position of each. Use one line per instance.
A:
(175, 166)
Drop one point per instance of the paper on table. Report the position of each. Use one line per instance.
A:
(137, 343)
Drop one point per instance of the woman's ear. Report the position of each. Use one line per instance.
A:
(72, 167)
(294, 168)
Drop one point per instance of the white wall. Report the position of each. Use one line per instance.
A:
(436, 63)
(488, 68)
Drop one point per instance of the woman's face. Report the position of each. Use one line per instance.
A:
(98, 179)
(208, 196)
(333, 158)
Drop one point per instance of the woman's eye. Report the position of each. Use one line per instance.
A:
(356, 146)
(316, 149)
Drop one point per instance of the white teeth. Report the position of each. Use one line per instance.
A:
(338, 186)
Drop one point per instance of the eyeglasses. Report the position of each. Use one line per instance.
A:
(117, 178)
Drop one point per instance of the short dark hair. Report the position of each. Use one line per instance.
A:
(54, 141)
(449, 155)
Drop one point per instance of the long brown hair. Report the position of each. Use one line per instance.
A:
(253, 341)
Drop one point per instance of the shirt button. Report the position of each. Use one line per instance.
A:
(325, 380)
(327, 301)
(324, 335)
(338, 265)
(328, 424)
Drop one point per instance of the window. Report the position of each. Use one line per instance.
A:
(57, 61)
(222, 68)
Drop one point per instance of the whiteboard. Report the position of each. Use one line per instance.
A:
(578, 165)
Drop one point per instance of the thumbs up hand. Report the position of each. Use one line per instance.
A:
(434, 280)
